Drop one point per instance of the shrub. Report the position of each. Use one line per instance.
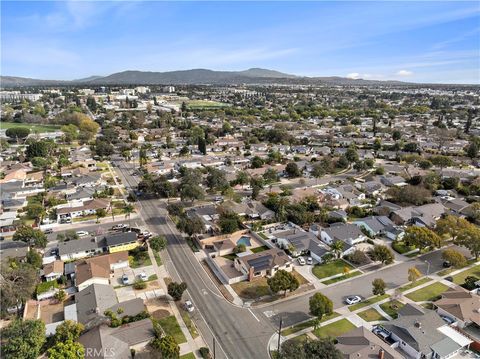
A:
(139, 284)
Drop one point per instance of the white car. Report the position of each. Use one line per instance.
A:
(143, 276)
(301, 261)
(189, 306)
(82, 233)
(118, 227)
(309, 261)
(353, 299)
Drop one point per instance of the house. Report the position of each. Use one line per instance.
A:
(207, 214)
(345, 232)
(104, 342)
(67, 212)
(422, 333)
(457, 206)
(460, 305)
(425, 216)
(362, 343)
(299, 242)
(53, 270)
(91, 272)
(18, 252)
(393, 181)
(79, 248)
(263, 264)
(379, 226)
(250, 209)
(118, 242)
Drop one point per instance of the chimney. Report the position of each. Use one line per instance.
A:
(381, 354)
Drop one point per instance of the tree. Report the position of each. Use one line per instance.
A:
(470, 239)
(337, 248)
(283, 280)
(378, 286)
(413, 274)
(34, 237)
(292, 170)
(17, 133)
(190, 226)
(60, 295)
(70, 132)
(229, 222)
(18, 282)
(68, 330)
(421, 237)
(382, 254)
(396, 135)
(351, 154)
(472, 148)
(320, 305)
(270, 175)
(322, 348)
(358, 257)
(441, 161)
(415, 195)
(292, 349)
(451, 226)
(318, 170)
(191, 191)
(34, 259)
(175, 290)
(470, 282)
(216, 179)
(167, 346)
(256, 183)
(41, 148)
(23, 339)
(158, 243)
(202, 146)
(66, 350)
(257, 162)
(455, 258)
(100, 213)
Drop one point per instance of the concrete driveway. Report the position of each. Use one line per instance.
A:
(132, 274)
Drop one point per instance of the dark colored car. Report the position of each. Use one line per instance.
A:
(447, 264)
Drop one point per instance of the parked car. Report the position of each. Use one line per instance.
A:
(189, 306)
(301, 261)
(147, 234)
(48, 231)
(447, 320)
(119, 227)
(449, 278)
(447, 264)
(380, 332)
(82, 233)
(125, 279)
(143, 276)
(309, 261)
(353, 299)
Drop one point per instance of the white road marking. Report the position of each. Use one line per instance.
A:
(253, 315)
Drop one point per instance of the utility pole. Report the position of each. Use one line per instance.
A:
(279, 334)
(214, 347)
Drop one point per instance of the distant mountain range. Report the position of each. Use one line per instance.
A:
(193, 77)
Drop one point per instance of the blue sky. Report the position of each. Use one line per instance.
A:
(411, 41)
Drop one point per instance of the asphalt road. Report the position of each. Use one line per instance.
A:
(237, 331)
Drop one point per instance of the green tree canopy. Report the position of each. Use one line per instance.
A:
(283, 280)
(23, 339)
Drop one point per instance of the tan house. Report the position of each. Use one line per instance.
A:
(98, 269)
(53, 270)
(263, 264)
(460, 305)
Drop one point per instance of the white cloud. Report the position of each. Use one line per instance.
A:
(404, 73)
(353, 75)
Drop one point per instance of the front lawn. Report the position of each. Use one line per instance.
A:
(392, 308)
(342, 277)
(139, 257)
(429, 293)
(171, 327)
(367, 302)
(187, 356)
(334, 329)
(371, 315)
(415, 284)
(330, 269)
(252, 290)
(34, 128)
(460, 277)
(307, 324)
(401, 247)
(230, 256)
(188, 321)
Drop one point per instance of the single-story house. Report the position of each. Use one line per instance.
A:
(53, 270)
(345, 232)
(379, 226)
(263, 264)
(121, 242)
(460, 305)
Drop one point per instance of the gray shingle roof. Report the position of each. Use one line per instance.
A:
(93, 301)
(120, 238)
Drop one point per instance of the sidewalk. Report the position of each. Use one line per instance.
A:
(192, 345)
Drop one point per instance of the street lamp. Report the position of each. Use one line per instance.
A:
(428, 268)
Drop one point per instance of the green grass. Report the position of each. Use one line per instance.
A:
(371, 315)
(157, 258)
(392, 308)
(204, 104)
(342, 277)
(460, 277)
(259, 249)
(415, 284)
(46, 286)
(135, 263)
(187, 356)
(307, 324)
(34, 128)
(334, 329)
(263, 236)
(171, 327)
(330, 269)
(428, 293)
(367, 302)
(188, 322)
(301, 338)
(401, 247)
(230, 256)
(152, 277)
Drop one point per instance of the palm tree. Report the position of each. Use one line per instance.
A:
(337, 248)
(128, 210)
